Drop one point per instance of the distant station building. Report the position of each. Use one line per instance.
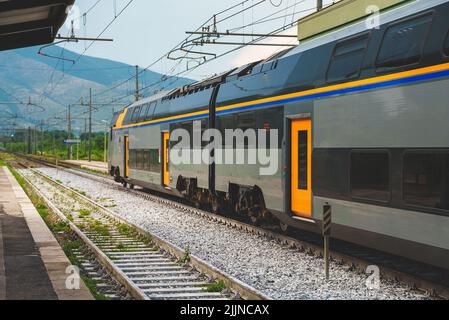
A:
(30, 23)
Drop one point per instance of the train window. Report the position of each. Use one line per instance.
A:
(143, 112)
(187, 126)
(146, 160)
(370, 175)
(303, 148)
(225, 122)
(196, 132)
(136, 114)
(132, 159)
(347, 59)
(446, 45)
(268, 66)
(245, 121)
(271, 119)
(140, 160)
(155, 161)
(426, 180)
(150, 111)
(128, 116)
(403, 42)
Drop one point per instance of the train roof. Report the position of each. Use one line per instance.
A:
(407, 8)
(396, 13)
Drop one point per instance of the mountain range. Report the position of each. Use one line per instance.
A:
(36, 87)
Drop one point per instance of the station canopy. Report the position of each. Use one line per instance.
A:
(25, 23)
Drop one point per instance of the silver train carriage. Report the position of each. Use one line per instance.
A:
(362, 116)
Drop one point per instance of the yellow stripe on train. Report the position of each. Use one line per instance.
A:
(358, 83)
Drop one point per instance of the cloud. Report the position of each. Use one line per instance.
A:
(254, 53)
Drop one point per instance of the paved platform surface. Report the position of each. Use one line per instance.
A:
(93, 165)
(32, 264)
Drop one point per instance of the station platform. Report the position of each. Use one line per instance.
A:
(93, 165)
(32, 264)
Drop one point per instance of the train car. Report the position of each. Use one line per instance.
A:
(361, 115)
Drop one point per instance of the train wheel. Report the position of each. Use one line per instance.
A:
(215, 207)
(131, 186)
(284, 227)
(255, 220)
(215, 203)
(117, 177)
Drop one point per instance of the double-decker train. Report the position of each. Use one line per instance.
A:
(362, 116)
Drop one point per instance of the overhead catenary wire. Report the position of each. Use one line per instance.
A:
(84, 15)
(218, 56)
(97, 37)
(164, 78)
(265, 18)
(179, 44)
(174, 76)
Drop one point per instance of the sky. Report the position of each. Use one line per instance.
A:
(148, 29)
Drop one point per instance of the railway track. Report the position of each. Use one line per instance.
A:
(353, 256)
(148, 267)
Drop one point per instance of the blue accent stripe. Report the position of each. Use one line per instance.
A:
(389, 83)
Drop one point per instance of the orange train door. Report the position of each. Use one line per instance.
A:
(301, 167)
(165, 158)
(126, 152)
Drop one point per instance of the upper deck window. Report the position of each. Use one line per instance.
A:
(403, 42)
(143, 112)
(136, 114)
(446, 45)
(347, 59)
(128, 116)
(150, 112)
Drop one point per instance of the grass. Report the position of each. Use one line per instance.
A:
(81, 226)
(92, 285)
(95, 172)
(43, 210)
(186, 257)
(125, 230)
(4, 157)
(60, 226)
(217, 286)
(81, 192)
(121, 246)
(83, 213)
(98, 227)
(147, 240)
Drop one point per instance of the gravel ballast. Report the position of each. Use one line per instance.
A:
(270, 267)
